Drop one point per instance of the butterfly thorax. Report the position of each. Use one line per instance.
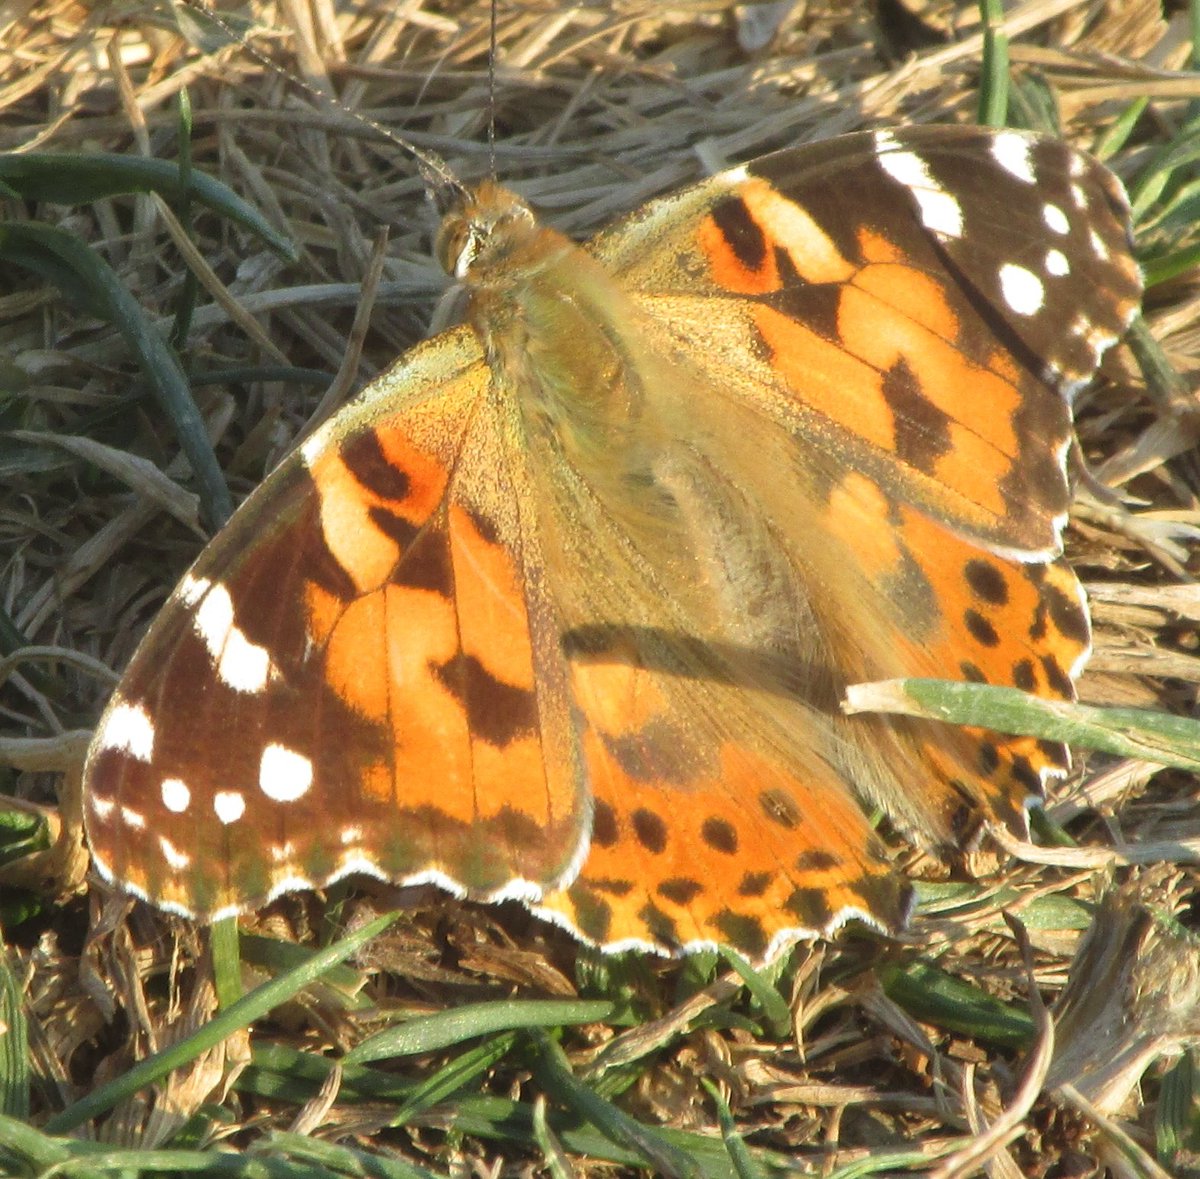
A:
(620, 461)
(553, 325)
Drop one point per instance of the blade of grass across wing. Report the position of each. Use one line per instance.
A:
(1126, 732)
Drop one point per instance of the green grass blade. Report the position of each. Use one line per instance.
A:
(428, 1033)
(226, 960)
(553, 1156)
(743, 1162)
(934, 996)
(80, 272)
(343, 1160)
(69, 178)
(1177, 1118)
(454, 1077)
(253, 1006)
(555, 1076)
(993, 79)
(1118, 134)
(1127, 732)
(14, 1044)
(774, 1006)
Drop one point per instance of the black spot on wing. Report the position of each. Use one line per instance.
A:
(720, 835)
(742, 932)
(815, 860)
(987, 582)
(815, 305)
(1024, 675)
(593, 914)
(754, 884)
(1024, 773)
(921, 430)
(980, 629)
(1067, 614)
(394, 526)
(809, 907)
(661, 927)
(365, 460)
(497, 712)
(650, 830)
(605, 831)
(1057, 679)
(680, 890)
(971, 672)
(426, 562)
(741, 232)
(780, 808)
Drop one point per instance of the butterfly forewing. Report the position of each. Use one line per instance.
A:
(353, 677)
(928, 296)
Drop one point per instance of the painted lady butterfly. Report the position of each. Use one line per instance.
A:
(562, 607)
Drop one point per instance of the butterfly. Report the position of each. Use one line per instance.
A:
(561, 607)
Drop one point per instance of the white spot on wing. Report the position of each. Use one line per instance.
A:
(132, 818)
(175, 795)
(1022, 289)
(1098, 246)
(940, 212)
(350, 835)
(283, 774)
(192, 589)
(1011, 151)
(129, 727)
(177, 859)
(1056, 263)
(101, 807)
(1055, 219)
(241, 664)
(230, 805)
(244, 666)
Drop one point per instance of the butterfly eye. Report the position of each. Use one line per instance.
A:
(454, 247)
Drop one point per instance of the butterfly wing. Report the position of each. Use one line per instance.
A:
(354, 675)
(915, 311)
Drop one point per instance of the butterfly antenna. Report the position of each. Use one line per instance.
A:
(491, 131)
(437, 175)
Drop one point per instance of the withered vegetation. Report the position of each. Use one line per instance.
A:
(936, 1055)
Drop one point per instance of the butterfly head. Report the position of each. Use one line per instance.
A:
(483, 228)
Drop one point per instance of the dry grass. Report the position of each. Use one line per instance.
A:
(597, 108)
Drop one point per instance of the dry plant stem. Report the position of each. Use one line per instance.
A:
(1181, 851)
(1127, 1159)
(347, 375)
(1007, 1127)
